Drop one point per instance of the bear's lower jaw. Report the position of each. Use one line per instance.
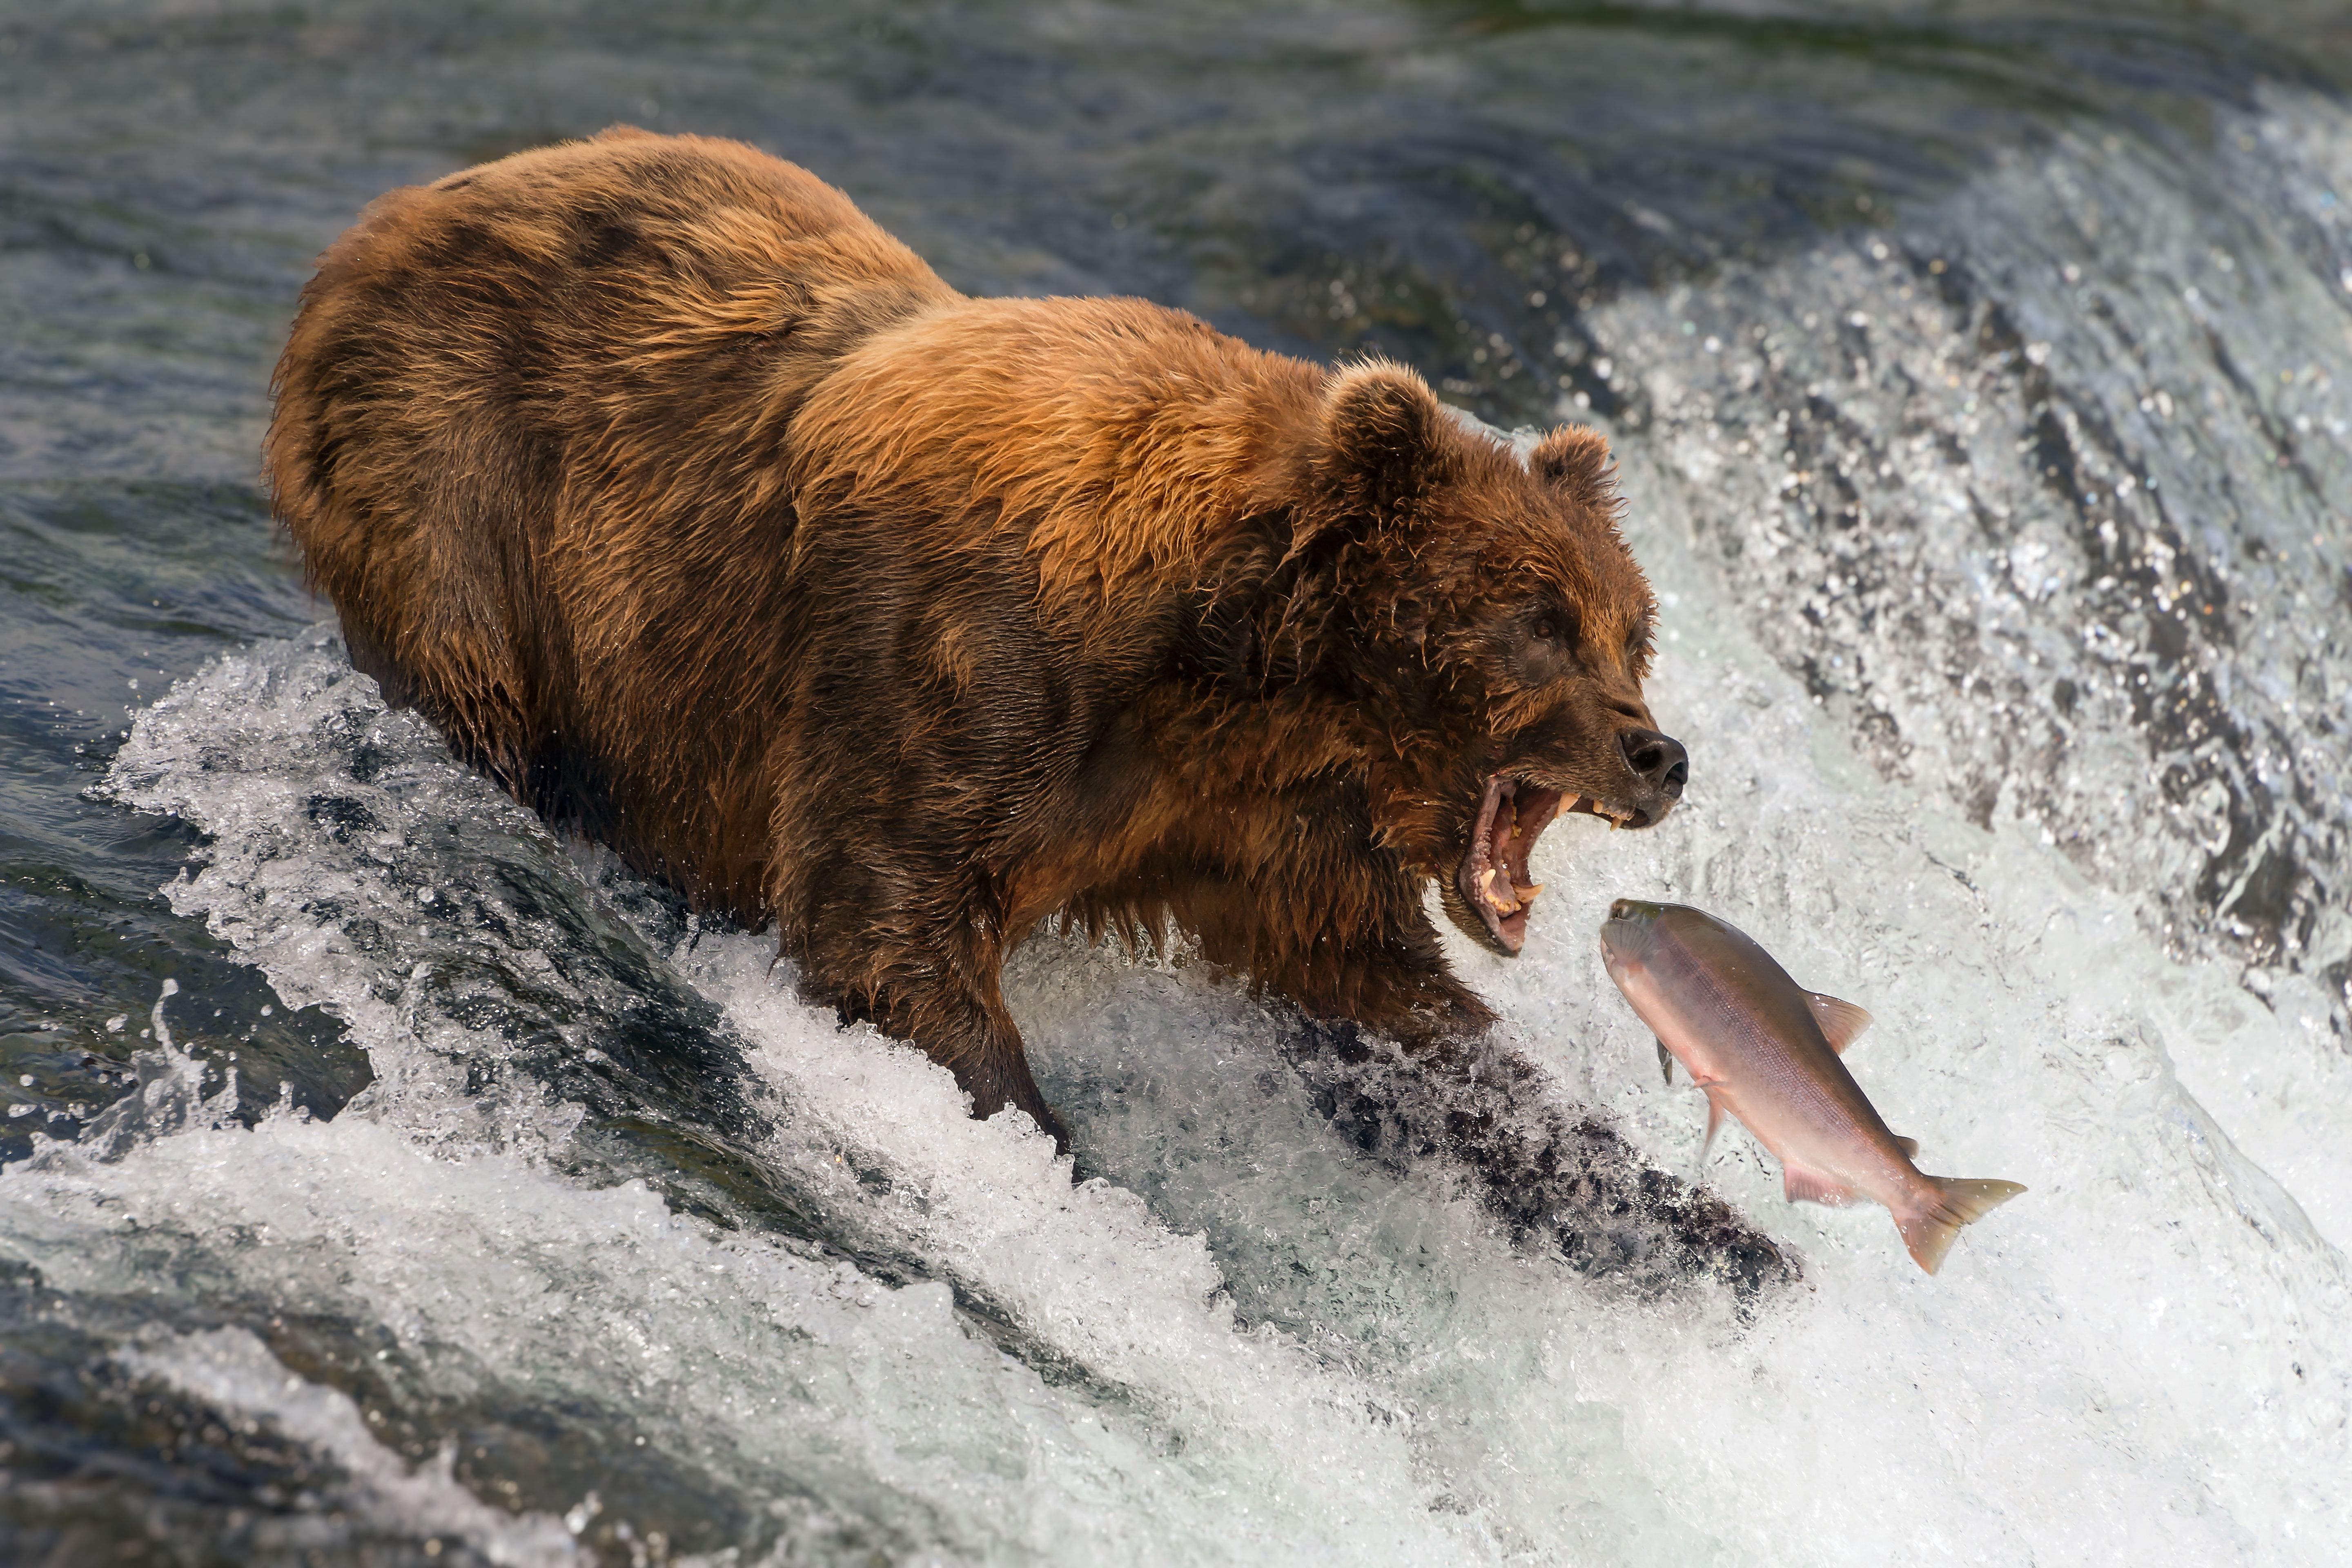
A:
(1494, 878)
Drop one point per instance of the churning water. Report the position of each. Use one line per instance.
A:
(403, 1182)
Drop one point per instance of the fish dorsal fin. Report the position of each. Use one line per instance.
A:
(1842, 1022)
(1808, 1186)
(1910, 1147)
(1713, 1126)
(1667, 1062)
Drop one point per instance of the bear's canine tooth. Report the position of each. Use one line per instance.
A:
(1486, 890)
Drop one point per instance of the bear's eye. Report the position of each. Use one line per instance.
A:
(1545, 641)
(1550, 626)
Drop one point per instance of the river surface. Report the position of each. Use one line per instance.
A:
(387, 1180)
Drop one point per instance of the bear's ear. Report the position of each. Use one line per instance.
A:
(1574, 461)
(1386, 437)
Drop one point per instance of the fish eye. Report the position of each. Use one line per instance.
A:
(1622, 909)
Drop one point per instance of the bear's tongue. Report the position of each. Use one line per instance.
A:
(1494, 873)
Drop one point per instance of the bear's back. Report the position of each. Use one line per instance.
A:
(531, 437)
(628, 291)
(607, 451)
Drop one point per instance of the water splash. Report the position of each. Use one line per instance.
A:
(169, 1095)
(2043, 496)
(1356, 1352)
(234, 1372)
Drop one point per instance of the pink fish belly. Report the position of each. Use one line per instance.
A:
(1845, 1152)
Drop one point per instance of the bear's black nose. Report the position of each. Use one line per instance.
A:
(1660, 759)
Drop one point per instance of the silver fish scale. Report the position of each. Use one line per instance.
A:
(1776, 1061)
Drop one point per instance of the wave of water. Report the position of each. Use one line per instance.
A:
(626, 1253)
(2043, 496)
(2044, 499)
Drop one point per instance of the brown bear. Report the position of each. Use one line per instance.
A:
(703, 515)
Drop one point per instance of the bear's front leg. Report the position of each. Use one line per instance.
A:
(942, 997)
(1545, 1169)
(1402, 1057)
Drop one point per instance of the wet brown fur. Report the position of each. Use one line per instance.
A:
(703, 515)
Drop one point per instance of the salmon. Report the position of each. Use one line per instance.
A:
(1769, 1052)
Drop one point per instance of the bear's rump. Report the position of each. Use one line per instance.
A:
(531, 437)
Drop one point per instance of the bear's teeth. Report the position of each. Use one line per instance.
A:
(1486, 890)
(1528, 893)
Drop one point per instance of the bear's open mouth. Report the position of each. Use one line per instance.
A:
(1494, 878)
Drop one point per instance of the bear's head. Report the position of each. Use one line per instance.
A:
(1496, 632)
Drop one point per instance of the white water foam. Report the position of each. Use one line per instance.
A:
(2156, 1326)
(786, 1378)
(234, 1372)
(1233, 1442)
(2067, 546)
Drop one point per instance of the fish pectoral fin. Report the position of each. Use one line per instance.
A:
(1842, 1022)
(1809, 1186)
(1667, 1062)
(1713, 1126)
(1910, 1147)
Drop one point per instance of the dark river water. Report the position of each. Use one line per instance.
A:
(385, 1180)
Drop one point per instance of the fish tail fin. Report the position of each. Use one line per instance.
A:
(1928, 1231)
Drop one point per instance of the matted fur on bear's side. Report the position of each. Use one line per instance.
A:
(701, 513)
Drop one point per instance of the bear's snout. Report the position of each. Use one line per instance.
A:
(1659, 762)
